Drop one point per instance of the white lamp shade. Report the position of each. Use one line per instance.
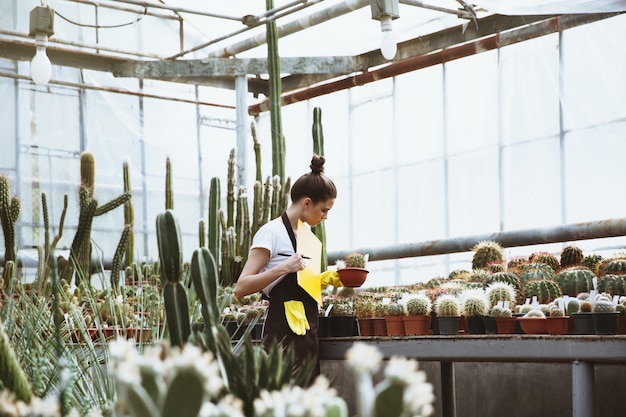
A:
(40, 67)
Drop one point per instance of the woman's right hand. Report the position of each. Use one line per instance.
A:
(294, 263)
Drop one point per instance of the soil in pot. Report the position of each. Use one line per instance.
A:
(583, 323)
(416, 325)
(606, 323)
(557, 325)
(448, 325)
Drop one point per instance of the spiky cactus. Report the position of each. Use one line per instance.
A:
(485, 253)
(613, 284)
(497, 311)
(535, 271)
(501, 291)
(573, 306)
(574, 280)
(447, 305)
(475, 306)
(506, 277)
(593, 262)
(117, 263)
(571, 256)
(614, 266)
(355, 260)
(9, 213)
(545, 258)
(603, 306)
(213, 219)
(11, 374)
(545, 290)
(395, 309)
(129, 217)
(318, 149)
(275, 91)
(586, 306)
(419, 305)
(175, 296)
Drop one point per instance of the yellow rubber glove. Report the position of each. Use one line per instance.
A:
(330, 278)
(296, 317)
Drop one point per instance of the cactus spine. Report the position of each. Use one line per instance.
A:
(571, 256)
(447, 305)
(574, 280)
(175, 297)
(418, 306)
(9, 212)
(485, 253)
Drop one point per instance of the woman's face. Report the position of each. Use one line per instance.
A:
(314, 213)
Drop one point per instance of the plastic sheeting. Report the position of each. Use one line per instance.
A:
(538, 7)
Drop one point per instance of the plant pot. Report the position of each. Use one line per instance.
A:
(139, 334)
(606, 323)
(395, 325)
(234, 329)
(380, 326)
(475, 325)
(583, 323)
(533, 325)
(323, 326)
(557, 325)
(366, 326)
(416, 325)
(490, 325)
(448, 325)
(343, 326)
(257, 331)
(506, 325)
(352, 277)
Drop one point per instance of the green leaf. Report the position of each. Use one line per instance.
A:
(389, 399)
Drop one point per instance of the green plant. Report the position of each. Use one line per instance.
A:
(574, 280)
(447, 305)
(573, 306)
(535, 313)
(545, 290)
(474, 304)
(571, 256)
(614, 266)
(11, 374)
(497, 311)
(380, 309)
(395, 309)
(355, 260)
(545, 258)
(556, 312)
(9, 212)
(419, 305)
(501, 291)
(613, 284)
(593, 262)
(506, 277)
(535, 271)
(485, 253)
(586, 306)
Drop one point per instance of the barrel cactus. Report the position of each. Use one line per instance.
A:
(613, 284)
(575, 279)
(419, 305)
(572, 306)
(485, 253)
(447, 305)
(545, 258)
(395, 309)
(603, 306)
(535, 271)
(506, 277)
(614, 266)
(593, 262)
(501, 291)
(497, 311)
(570, 256)
(475, 306)
(545, 290)
(586, 306)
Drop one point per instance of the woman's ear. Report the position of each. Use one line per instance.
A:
(307, 202)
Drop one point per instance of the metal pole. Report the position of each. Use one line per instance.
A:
(563, 233)
(241, 88)
(448, 394)
(582, 389)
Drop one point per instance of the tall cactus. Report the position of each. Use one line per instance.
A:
(117, 263)
(230, 190)
(318, 149)
(80, 252)
(50, 246)
(129, 217)
(213, 220)
(257, 153)
(9, 212)
(275, 91)
(174, 294)
(12, 375)
(169, 189)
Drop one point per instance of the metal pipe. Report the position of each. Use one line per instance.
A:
(292, 27)
(582, 389)
(564, 233)
(251, 24)
(123, 9)
(448, 394)
(178, 9)
(438, 57)
(117, 91)
(458, 12)
(96, 47)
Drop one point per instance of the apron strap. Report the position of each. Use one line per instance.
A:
(287, 224)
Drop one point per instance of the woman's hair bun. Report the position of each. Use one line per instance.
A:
(317, 164)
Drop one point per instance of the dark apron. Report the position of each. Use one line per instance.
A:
(306, 347)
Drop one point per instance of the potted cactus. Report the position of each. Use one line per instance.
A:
(379, 322)
(474, 309)
(557, 321)
(448, 311)
(393, 319)
(417, 320)
(364, 310)
(583, 319)
(353, 273)
(533, 322)
(605, 318)
(505, 321)
(343, 321)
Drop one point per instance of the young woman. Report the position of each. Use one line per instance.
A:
(273, 264)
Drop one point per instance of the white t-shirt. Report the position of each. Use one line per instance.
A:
(273, 236)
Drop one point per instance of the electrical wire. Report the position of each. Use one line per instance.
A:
(101, 26)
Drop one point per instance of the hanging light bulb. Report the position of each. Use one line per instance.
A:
(40, 66)
(388, 44)
(41, 26)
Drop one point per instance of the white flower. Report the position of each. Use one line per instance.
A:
(363, 358)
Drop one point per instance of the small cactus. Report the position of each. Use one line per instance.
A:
(485, 253)
(571, 256)
(419, 306)
(603, 306)
(395, 309)
(447, 305)
(574, 280)
(573, 306)
(355, 260)
(545, 258)
(556, 312)
(500, 291)
(546, 290)
(586, 306)
(475, 305)
(535, 312)
(497, 311)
